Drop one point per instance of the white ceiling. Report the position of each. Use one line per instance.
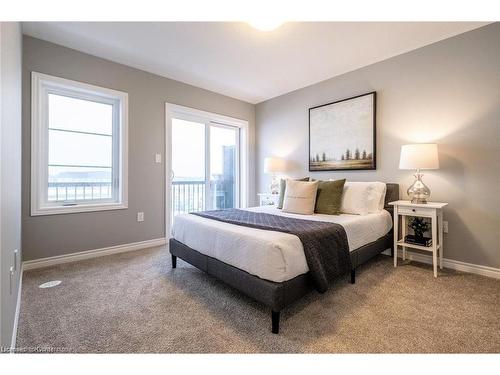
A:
(234, 59)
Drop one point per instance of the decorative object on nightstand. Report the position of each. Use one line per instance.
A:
(433, 211)
(268, 199)
(274, 166)
(419, 225)
(419, 156)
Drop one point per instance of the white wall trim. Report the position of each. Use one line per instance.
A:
(452, 264)
(88, 254)
(18, 311)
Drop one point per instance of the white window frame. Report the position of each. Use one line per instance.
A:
(196, 115)
(41, 86)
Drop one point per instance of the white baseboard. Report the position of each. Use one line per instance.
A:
(18, 310)
(451, 264)
(67, 258)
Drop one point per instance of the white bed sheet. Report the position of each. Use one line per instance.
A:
(270, 255)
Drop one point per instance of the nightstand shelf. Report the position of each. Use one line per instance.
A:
(431, 210)
(419, 247)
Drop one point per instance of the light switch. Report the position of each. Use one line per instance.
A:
(140, 216)
(158, 158)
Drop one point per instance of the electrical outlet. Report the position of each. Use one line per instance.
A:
(445, 226)
(158, 158)
(140, 216)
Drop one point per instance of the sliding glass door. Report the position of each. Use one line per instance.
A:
(205, 165)
(223, 166)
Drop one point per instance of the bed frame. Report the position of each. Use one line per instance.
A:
(275, 295)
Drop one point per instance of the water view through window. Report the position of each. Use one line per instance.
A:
(80, 149)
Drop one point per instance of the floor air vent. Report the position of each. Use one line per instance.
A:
(50, 284)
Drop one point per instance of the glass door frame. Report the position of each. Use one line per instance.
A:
(209, 119)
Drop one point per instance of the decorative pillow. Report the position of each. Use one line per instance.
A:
(282, 190)
(361, 198)
(300, 197)
(382, 189)
(329, 197)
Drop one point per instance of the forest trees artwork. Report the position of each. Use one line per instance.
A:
(342, 135)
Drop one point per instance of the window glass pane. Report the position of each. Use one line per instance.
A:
(223, 166)
(68, 148)
(188, 150)
(79, 183)
(80, 115)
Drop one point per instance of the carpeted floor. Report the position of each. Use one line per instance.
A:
(135, 302)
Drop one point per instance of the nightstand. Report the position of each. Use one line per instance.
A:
(431, 210)
(268, 199)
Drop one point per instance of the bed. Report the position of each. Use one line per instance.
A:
(270, 266)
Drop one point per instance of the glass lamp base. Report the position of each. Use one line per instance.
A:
(418, 191)
(275, 185)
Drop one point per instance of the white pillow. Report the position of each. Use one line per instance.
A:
(382, 189)
(300, 197)
(361, 198)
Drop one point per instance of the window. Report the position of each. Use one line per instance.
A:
(79, 147)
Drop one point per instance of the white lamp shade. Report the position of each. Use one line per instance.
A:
(419, 156)
(274, 165)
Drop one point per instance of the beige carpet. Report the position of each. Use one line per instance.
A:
(135, 302)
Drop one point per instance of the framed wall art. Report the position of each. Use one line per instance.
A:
(342, 134)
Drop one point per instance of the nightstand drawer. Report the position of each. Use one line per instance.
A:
(416, 211)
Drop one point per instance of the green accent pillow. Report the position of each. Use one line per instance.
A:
(329, 197)
(281, 197)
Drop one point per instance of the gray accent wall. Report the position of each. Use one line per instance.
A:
(46, 236)
(10, 174)
(448, 93)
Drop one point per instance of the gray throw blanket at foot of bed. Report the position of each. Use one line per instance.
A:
(325, 244)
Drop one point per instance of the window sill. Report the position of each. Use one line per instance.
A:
(58, 210)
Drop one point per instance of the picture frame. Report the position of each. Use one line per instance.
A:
(342, 134)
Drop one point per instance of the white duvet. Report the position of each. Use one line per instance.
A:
(270, 255)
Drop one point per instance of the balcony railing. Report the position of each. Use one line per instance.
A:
(190, 196)
(71, 191)
(187, 196)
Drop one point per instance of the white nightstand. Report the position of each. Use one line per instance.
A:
(432, 210)
(268, 199)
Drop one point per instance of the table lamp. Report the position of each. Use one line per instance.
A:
(419, 156)
(274, 166)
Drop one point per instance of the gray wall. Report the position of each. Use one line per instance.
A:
(10, 172)
(448, 93)
(45, 236)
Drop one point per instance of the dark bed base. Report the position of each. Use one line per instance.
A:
(274, 295)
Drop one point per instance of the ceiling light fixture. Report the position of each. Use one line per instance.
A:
(266, 24)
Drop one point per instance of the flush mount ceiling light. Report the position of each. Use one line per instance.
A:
(266, 24)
